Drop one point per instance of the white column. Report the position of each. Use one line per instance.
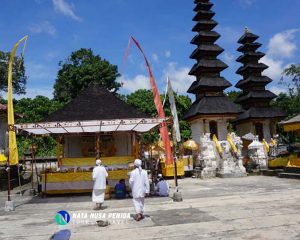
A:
(197, 128)
(267, 130)
(222, 129)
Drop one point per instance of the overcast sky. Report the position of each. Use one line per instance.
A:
(163, 28)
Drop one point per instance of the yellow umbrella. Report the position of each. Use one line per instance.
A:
(292, 125)
(191, 144)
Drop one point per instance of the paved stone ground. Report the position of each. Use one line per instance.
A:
(256, 207)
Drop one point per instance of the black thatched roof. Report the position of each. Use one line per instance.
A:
(95, 103)
(250, 56)
(261, 112)
(248, 47)
(201, 14)
(205, 36)
(204, 24)
(208, 65)
(212, 83)
(211, 106)
(208, 49)
(202, 5)
(250, 67)
(248, 37)
(263, 80)
(264, 94)
(253, 83)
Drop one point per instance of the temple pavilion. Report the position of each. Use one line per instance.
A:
(95, 124)
(212, 110)
(258, 117)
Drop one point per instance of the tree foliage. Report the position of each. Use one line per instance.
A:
(143, 100)
(290, 101)
(232, 95)
(35, 110)
(80, 69)
(19, 78)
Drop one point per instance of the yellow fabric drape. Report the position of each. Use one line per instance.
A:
(218, 146)
(12, 142)
(232, 145)
(266, 145)
(273, 141)
(2, 158)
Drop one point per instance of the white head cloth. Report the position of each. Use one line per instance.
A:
(98, 162)
(138, 164)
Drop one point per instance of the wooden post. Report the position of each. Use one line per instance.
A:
(98, 145)
(136, 145)
(133, 144)
(58, 151)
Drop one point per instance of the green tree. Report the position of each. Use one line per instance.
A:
(232, 95)
(19, 79)
(290, 101)
(35, 110)
(143, 100)
(80, 69)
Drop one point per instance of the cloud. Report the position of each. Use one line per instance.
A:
(275, 67)
(43, 27)
(228, 58)
(277, 89)
(246, 3)
(180, 79)
(138, 82)
(32, 92)
(282, 44)
(280, 48)
(65, 8)
(167, 53)
(155, 57)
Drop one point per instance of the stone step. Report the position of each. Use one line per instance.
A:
(289, 175)
(272, 172)
(292, 170)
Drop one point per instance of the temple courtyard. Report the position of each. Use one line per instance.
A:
(254, 207)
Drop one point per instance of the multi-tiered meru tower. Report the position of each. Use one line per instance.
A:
(259, 117)
(212, 110)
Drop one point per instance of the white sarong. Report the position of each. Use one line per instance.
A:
(98, 195)
(139, 206)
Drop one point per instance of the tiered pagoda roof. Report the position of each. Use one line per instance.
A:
(209, 84)
(255, 99)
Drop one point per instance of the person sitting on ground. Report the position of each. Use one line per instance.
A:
(120, 189)
(162, 187)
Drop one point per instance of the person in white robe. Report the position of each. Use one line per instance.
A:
(139, 183)
(162, 187)
(99, 178)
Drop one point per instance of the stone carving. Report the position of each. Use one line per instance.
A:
(257, 154)
(208, 157)
(231, 164)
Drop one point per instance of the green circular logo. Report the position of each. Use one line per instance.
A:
(62, 217)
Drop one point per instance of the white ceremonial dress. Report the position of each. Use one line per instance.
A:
(99, 177)
(139, 183)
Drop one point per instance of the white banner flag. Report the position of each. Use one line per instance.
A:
(173, 110)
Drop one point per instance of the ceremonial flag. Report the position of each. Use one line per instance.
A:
(12, 141)
(173, 110)
(159, 107)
